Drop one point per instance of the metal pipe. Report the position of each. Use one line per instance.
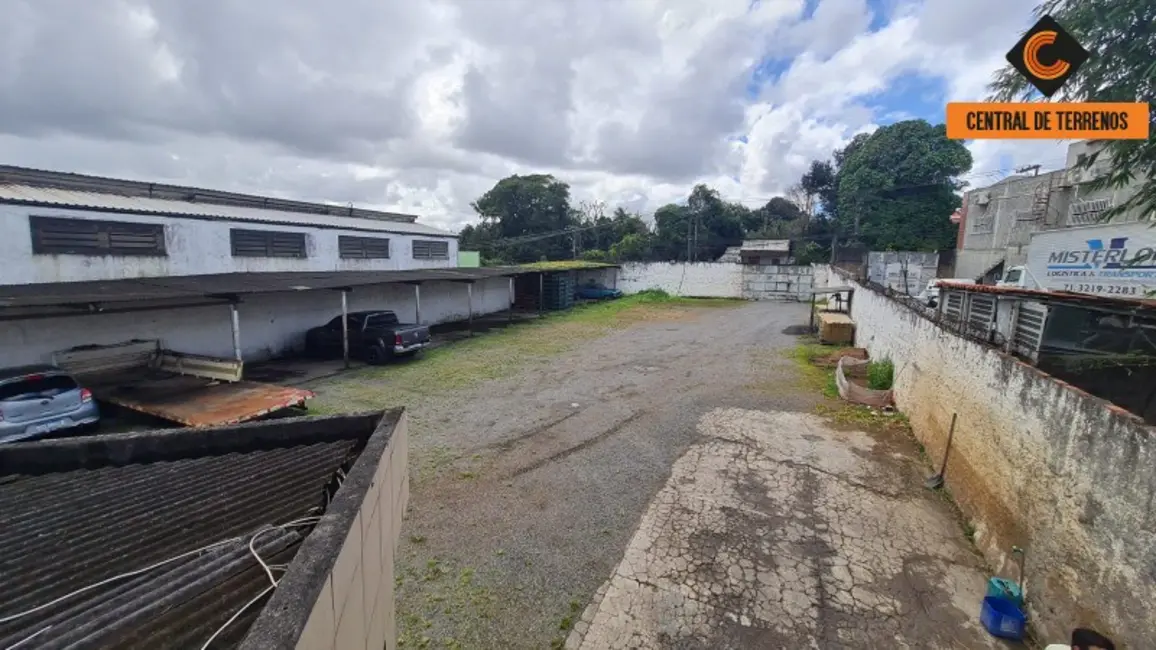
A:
(470, 306)
(345, 327)
(236, 320)
(417, 304)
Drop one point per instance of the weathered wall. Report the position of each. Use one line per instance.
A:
(773, 282)
(1035, 462)
(341, 593)
(271, 324)
(194, 247)
(697, 280)
(718, 280)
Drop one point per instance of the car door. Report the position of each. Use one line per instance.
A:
(330, 337)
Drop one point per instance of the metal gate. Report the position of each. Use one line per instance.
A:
(1029, 329)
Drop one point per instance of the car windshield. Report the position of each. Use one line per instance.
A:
(36, 387)
(1013, 276)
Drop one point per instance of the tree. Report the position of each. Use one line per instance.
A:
(632, 247)
(818, 184)
(896, 187)
(1121, 37)
(519, 207)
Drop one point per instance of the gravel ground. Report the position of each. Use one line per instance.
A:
(534, 459)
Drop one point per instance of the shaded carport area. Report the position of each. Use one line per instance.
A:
(38, 307)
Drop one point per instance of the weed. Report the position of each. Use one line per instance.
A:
(880, 374)
(417, 539)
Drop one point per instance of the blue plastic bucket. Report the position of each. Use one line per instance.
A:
(1001, 617)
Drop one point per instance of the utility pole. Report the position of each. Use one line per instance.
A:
(577, 234)
(689, 220)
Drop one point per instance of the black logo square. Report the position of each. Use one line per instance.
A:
(1047, 56)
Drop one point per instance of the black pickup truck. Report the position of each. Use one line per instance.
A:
(374, 336)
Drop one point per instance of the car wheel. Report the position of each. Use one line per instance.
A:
(375, 355)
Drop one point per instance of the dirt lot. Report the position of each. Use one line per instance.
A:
(537, 451)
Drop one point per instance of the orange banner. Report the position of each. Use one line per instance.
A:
(1047, 121)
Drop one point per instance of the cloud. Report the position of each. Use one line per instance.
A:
(422, 106)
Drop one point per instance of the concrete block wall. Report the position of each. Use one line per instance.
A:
(271, 324)
(339, 595)
(356, 609)
(773, 282)
(1034, 462)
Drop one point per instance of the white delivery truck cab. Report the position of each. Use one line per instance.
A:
(1114, 260)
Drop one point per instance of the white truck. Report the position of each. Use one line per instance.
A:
(1114, 260)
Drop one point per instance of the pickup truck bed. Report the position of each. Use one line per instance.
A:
(191, 390)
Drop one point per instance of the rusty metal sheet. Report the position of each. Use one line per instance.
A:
(198, 402)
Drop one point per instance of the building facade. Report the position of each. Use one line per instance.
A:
(996, 222)
(67, 228)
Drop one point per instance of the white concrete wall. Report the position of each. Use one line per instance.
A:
(718, 280)
(271, 324)
(1034, 462)
(698, 280)
(194, 247)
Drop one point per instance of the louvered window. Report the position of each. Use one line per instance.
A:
(363, 248)
(267, 243)
(424, 249)
(62, 236)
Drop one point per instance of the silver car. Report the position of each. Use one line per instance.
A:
(38, 400)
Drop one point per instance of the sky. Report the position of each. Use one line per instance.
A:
(421, 106)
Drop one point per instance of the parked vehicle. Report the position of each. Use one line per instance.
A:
(374, 336)
(42, 399)
(930, 295)
(593, 291)
(1116, 260)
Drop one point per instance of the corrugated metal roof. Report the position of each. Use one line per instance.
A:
(125, 290)
(112, 202)
(74, 519)
(768, 245)
(1107, 302)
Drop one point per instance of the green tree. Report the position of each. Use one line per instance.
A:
(896, 187)
(631, 248)
(1121, 35)
(519, 207)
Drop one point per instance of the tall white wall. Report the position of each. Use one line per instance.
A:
(1034, 462)
(697, 280)
(271, 324)
(195, 246)
(718, 280)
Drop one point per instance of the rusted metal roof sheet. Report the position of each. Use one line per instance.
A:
(199, 402)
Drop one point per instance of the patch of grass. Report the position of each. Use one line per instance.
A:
(446, 598)
(565, 265)
(813, 376)
(880, 374)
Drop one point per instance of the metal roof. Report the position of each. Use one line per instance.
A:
(110, 201)
(125, 290)
(85, 511)
(767, 245)
(1083, 299)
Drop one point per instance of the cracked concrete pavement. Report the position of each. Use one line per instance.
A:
(778, 531)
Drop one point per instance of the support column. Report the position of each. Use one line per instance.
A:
(345, 327)
(236, 324)
(510, 315)
(541, 294)
(417, 303)
(470, 306)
